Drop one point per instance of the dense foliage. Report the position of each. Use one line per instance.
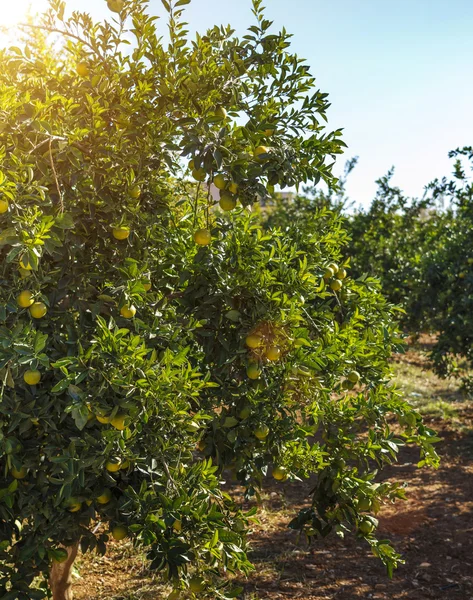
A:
(150, 338)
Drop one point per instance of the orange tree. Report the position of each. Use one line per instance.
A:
(150, 337)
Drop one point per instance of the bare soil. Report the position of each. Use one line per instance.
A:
(433, 529)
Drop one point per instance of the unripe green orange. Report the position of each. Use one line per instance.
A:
(121, 233)
(254, 341)
(233, 187)
(19, 473)
(82, 69)
(341, 274)
(253, 371)
(354, 376)
(128, 312)
(115, 6)
(260, 152)
(105, 497)
(73, 505)
(135, 192)
(113, 465)
(199, 174)
(202, 237)
(38, 310)
(273, 353)
(220, 182)
(118, 422)
(261, 432)
(119, 533)
(336, 285)
(32, 377)
(25, 299)
(221, 112)
(4, 204)
(196, 585)
(227, 202)
(280, 473)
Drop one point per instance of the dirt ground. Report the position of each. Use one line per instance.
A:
(433, 529)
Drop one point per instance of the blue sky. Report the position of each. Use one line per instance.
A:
(398, 74)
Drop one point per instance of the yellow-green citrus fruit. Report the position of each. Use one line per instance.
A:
(128, 312)
(269, 132)
(199, 174)
(177, 526)
(25, 265)
(3, 206)
(220, 182)
(119, 533)
(147, 285)
(19, 473)
(253, 371)
(115, 6)
(60, 555)
(366, 526)
(202, 237)
(103, 419)
(174, 595)
(348, 385)
(336, 285)
(113, 465)
(244, 413)
(121, 233)
(73, 505)
(273, 353)
(334, 267)
(341, 274)
(365, 503)
(354, 376)
(233, 187)
(196, 585)
(125, 465)
(328, 273)
(227, 202)
(280, 473)
(82, 69)
(105, 497)
(262, 432)
(260, 151)
(254, 341)
(221, 113)
(191, 164)
(24, 273)
(135, 192)
(25, 299)
(32, 377)
(38, 310)
(118, 422)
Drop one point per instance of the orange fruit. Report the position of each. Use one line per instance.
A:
(196, 585)
(199, 174)
(260, 151)
(341, 274)
(119, 533)
(19, 473)
(135, 192)
(25, 264)
(253, 371)
(220, 182)
(261, 432)
(25, 299)
(73, 505)
(227, 202)
(273, 353)
(253, 341)
(32, 377)
(38, 310)
(121, 233)
(354, 376)
(202, 237)
(221, 113)
(4, 204)
(280, 473)
(115, 6)
(113, 465)
(233, 187)
(82, 69)
(118, 422)
(128, 312)
(336, 285)
(105, 497)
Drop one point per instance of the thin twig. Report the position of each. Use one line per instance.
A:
(61, 202)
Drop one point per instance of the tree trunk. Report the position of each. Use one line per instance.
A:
(60, 578)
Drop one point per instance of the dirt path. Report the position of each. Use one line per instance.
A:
(433, 529)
